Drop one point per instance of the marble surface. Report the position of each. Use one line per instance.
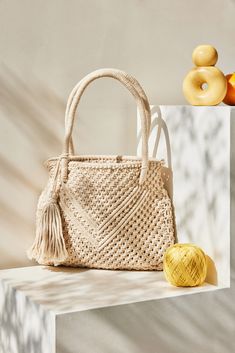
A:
(48, 310)
(63, 290)
(25, 325)
(198, 149)
(58, 310)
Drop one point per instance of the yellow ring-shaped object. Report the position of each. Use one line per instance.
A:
(216, 86)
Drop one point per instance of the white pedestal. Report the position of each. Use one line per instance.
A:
(199, 152)
(63, 310)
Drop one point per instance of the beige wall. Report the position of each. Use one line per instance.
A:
(46, 47)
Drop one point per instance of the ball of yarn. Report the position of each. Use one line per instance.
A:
(185, 265)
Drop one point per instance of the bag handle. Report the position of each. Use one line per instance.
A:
(134, 85)
(141, 100)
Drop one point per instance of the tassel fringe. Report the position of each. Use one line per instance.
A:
(49, 245)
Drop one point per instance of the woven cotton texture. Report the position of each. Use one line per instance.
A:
(109, 221)
(115, 211)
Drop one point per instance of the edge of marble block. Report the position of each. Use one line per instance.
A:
(228, 112)
(24, 323)
(65, 290)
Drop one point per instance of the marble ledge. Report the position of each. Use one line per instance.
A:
(64, 290)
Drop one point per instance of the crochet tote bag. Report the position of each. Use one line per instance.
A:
(110, 212)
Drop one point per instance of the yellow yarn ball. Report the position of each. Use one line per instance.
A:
(185, 265)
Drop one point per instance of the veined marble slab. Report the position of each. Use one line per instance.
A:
(199, 152)
(38, 304)
(65, 310)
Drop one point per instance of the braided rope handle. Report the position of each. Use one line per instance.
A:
(142, 102)
(134, 85)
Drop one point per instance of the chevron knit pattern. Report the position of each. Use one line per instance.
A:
(109, 221)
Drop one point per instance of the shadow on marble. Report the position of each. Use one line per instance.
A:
(24, 325)
(211, 276)
(64, 289)
(163, 326)
(200, 148)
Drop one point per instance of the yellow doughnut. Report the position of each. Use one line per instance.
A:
(213, 78)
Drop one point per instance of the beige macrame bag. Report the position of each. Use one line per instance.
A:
(109, 212)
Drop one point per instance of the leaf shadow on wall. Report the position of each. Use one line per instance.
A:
(32, 129)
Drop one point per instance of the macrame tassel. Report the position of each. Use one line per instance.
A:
(49, 244)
